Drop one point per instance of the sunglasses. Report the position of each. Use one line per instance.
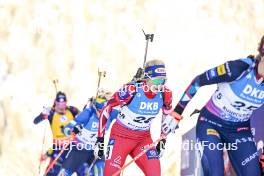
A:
(157, 81)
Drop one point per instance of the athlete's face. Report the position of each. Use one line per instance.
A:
(156, 84)
(261, 67)
(60, 107)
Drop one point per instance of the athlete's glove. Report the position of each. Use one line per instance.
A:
(99, 148)
(77, 129)
(49, 153)
(46, 111)
(43, 115)
(170, 123)
(160, 147)
(261, 161)
(43, 157)
(139, 75)
(67, 131)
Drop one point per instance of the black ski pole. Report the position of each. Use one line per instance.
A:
(100, 75)
(148, 37)
(140, 72)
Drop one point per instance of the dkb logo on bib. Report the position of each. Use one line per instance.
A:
(249, 90)
(149, 106)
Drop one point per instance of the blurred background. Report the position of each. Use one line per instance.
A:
(68, 40)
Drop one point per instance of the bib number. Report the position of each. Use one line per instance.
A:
(142, 119)
(239, 105)
(87, 137)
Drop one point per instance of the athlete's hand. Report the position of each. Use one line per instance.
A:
(99, 148)
(67, 131)
(46, 111)
(261, 160)
(77, 129)
(160, 147)
(170, 123)
(43, 157)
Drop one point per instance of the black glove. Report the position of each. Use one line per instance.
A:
(160, 147)
(77, 129)
(99, 148)
(139, 75)
(38, 119)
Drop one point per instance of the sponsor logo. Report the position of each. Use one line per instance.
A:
(228, 69)
(247, 139)
(212, 73)
(249, 90)
(63, 119)
(160, 70)
(94, 125)
(115, 165)
(117, 160)
(150, 72)
(152, 154)
(212, 132)
(248, 159)
(123, 94)
(242, 129)
(149, 105)
(111, 142)
(221, 70)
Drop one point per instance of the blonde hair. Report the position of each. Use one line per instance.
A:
(104, 94)
(154, 62)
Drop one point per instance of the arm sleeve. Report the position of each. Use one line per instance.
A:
(121, 97)
(112, 117)
(167, 101)
(226, 72)
(84, 116)
(75, 111)
(39, 118)
(81, 118)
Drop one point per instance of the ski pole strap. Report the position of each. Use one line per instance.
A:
(195, 112)
(139, 155)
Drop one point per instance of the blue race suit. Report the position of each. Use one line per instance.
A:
(225, 119)
(86, 140)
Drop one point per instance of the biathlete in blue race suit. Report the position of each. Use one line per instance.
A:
(85, 126)
(225, 119)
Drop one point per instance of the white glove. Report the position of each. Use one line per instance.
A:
(46, 110)
(169, 124)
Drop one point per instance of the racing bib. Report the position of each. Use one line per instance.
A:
(134, 121)
(236, 101)
(87, 137)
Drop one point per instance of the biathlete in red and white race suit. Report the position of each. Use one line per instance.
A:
(140, 103)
